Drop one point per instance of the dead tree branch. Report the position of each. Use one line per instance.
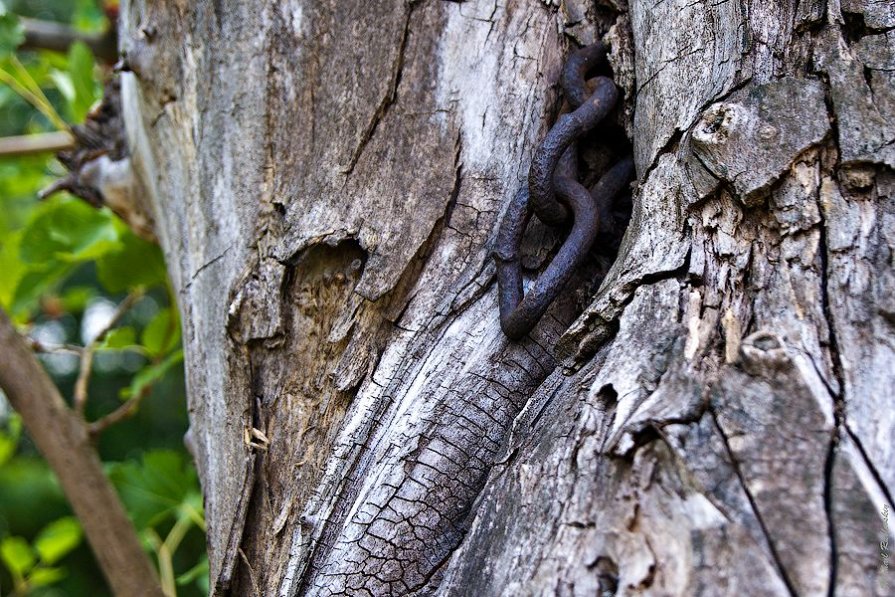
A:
(49, 35)
(37, 143)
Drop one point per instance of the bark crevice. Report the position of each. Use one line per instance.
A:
(781, 568)
(717, 402)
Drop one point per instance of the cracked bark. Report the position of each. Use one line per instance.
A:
(715, 419)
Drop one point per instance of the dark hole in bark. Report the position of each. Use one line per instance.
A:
(868, 77)
(765, 342)
(855, 27)
(598, 151)
(607, 575)
(650, 577)
(280, 209)
(640, 438)
(325, 260)
(608, 396)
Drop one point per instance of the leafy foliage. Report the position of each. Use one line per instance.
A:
(151, 374)
(57, 539)
(32, 565)
(63, 233)
(84, 89)
(160, 487)
(116, 268)
(161, 493)
(9, 437)
(10, 31)
(64, 266)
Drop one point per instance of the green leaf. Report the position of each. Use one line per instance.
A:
(162, 333)
(151, 374)
(20, 178)
(35, 282)
(134, 263)
(119, 338)
(154, 489)
(60, 234)
(75, 299)
(17, 555)
(11, 268)
(68, 230)
(43, 576)
(9, 437)
(62, 81)
(192, 507)
(57, 539)
(87, 15)
(11, 34)
(80, 70)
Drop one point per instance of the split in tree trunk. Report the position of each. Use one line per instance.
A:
(716, 418)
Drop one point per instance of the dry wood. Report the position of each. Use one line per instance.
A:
(326, 181)
(36, 143)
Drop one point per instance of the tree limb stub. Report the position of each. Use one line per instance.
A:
(36, 143)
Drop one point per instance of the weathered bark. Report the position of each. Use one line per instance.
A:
(326, 178)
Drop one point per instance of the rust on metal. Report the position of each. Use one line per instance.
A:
(554, 196)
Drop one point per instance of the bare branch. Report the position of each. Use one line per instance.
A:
(125, 411)
(37, 143)
(49, 35)
(56, 348)
(80, 392)
(61, 436)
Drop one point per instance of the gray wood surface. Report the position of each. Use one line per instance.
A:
(327, 178)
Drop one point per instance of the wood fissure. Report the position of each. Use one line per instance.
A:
(714, 422)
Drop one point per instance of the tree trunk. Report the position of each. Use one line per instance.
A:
(327, 178)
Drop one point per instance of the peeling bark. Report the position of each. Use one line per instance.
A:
(711, 416)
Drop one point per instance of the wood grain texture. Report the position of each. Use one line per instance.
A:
(715, 419)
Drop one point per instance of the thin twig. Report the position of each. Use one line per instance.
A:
(56, 348)
(125, 411)
(164, 551)
(196, 517)
(165, 563)
(123, 307)
(80, 393)
(37, 143)
(80, 397)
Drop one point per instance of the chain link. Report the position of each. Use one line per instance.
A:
(553, 192)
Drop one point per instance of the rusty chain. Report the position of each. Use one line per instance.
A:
(552, 191)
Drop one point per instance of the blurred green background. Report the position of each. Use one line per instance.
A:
(64, 269)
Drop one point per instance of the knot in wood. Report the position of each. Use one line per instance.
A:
(763, 353)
